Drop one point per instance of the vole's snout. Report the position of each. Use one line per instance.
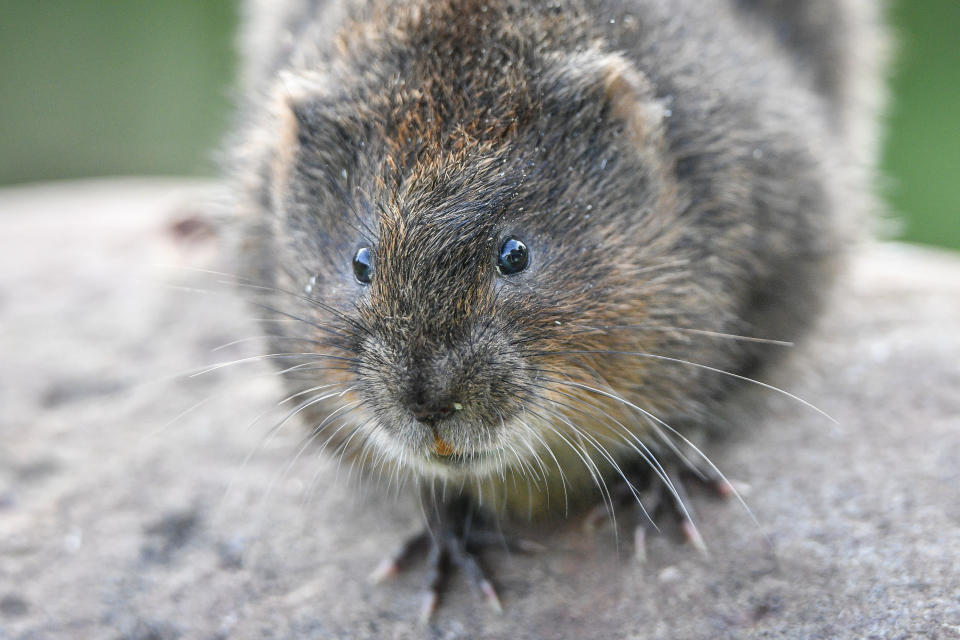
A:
(443, 397)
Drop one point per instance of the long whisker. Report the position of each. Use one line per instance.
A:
(581, 433)
(267, 437)
(692, 364)
(237, 280)
(716, 470)
(563, 478)
(271, 433)
(271, 356)
(261, 338)
(314, 434)
(627, 436)
(308, 496)
(537, 460)
(277, 477)
(642, 411)
(702, 332)
(648, 457)
(647, 454)
(266, 307)
(344, 446)
(584, 457)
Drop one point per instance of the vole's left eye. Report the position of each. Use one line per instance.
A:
(363, 265)
(514, 257)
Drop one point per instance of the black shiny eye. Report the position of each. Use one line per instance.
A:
(514, 257)
(363, 265)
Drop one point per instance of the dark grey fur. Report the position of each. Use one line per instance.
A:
(676, 166)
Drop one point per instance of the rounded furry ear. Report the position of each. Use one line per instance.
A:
(290, 112)
(293, 93)
(627, 90)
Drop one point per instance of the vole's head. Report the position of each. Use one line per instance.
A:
(457, 227)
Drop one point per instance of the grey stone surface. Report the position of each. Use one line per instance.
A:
(138, 502)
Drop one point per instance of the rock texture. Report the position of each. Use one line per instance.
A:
(138, 502)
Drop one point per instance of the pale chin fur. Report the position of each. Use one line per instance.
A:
(422, 461)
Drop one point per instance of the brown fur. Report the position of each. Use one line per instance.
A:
(674, 170)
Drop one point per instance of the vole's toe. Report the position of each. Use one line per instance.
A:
(401, 557)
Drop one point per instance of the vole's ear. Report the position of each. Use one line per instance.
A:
(294, 99)
(627, 92)
(291, 118)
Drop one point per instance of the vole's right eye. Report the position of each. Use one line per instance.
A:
(363, 265)
(514, 257)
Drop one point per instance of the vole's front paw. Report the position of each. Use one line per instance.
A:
(450, 540)
(663, 495)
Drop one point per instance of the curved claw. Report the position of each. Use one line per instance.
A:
(490, 594)
(640, 544)
(428, 606)
(387, 568)
(401, 556)
(692, 534)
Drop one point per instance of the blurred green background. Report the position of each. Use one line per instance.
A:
(103, 87)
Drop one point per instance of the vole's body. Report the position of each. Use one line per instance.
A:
(678, 169)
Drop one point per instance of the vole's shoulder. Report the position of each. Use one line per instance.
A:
(841, 47)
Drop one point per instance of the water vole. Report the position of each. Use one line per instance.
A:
(512, 248)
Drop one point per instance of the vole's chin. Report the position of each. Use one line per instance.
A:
(473, 464)
(420, 456)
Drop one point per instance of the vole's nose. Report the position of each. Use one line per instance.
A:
(431, 393)
(431, 411)
(429, 401)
